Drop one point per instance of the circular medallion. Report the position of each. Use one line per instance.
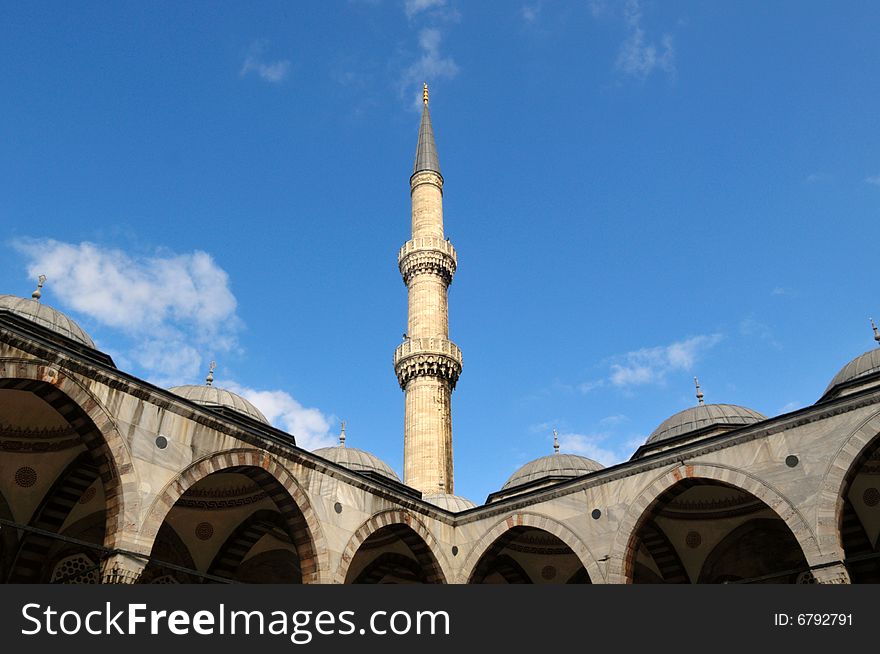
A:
(25, 477)
(204, 530)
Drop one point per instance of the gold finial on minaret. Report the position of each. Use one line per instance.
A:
(342, 435)
(699, 392)
(38, 293)
(210, 378)
(425, 94)
(555, 441)
(876, 331)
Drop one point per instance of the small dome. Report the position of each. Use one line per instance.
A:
(212, 396)
(553, 465)
(356, 460)
(861, 366)
(46, 316)
(453, 503)
(704, 415)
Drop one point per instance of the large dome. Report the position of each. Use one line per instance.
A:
(704, 415)
(553, 466)
(453, 503)
(861, 366)
(46, 316)
(212, 396)
(357, 460)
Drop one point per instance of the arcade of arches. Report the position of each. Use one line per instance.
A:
(64, 483)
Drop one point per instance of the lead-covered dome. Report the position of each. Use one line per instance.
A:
(212, 397)
(356, 460)
(46, 316)
(453, 503)
(702, 416)
(862, 366)
(553, 466)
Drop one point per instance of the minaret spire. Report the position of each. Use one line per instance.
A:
(699, 391)
(426, 149)
(876, 331)
(427, 363)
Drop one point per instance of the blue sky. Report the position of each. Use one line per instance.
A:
(639, 192)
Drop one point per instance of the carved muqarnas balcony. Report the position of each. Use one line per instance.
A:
(427, 357)
(427, 254)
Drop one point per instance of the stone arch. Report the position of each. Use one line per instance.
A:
(311, 547)
(74, 401)
(640, 509)
(536, 521)
(830, 510)
(431, 548)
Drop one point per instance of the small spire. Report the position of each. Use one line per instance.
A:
(426, 148)
(37, 294)
(555, 441)
(876, 331)
(425, 94)
(699, 392)
(342, 435)
(210, 378)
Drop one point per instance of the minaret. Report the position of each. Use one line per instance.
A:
(427, 363)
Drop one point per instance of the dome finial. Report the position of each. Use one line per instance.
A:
(876, 331)
(425, 93)
(699, 392)
(555, 441)
(42, 280)
(210, 378)
(342, 435)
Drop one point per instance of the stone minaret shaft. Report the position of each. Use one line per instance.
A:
(427, 363)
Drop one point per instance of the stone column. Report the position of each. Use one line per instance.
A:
(122, 568)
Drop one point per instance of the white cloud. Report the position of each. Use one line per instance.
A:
(873, 179)
(413, 7)
(791, 406)
(638, 56)
(310, 426)
(589, 445)
(588, 386)
(169, 306)
(817, 178)
(270, 71)
(651, 365)
(429, 67)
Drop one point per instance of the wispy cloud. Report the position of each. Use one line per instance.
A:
(414, 7)
(310, 426)
(430, 66)
(873, 179)
(638, 56)
(256, 63)
(790, 406)
(169, 306)
(753, 328)
(817, 178)
(530, 12)
(592, 446)
(651, 365)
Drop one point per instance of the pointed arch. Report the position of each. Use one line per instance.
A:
(537, 521)
(640, 509)
(263, 469)
(425, 547)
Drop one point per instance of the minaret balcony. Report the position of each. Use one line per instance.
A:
(427, 357)
(427, 254)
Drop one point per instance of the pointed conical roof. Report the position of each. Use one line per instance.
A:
(426, 150)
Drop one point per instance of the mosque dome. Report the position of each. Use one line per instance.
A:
(862, 366)
(553, 466)
(453, 503)
(46, 316)
(722, 416)
(355, 459)
(212, 396)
